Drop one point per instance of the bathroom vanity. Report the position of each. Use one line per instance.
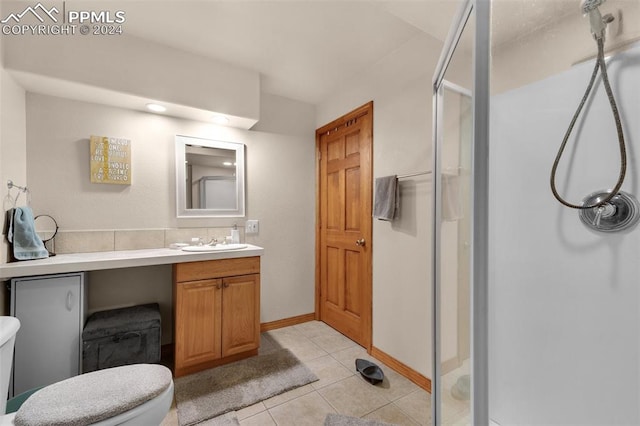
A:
(216, 297)
(216, 312)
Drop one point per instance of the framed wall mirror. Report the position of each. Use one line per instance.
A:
(209, 178)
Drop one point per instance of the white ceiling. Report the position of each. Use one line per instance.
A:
(302, 49)
(305, 48)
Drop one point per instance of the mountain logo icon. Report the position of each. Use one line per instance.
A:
(39, 11)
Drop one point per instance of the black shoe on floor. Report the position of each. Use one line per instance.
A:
(369, 371)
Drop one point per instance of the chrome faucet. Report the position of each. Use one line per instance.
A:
(213, 242)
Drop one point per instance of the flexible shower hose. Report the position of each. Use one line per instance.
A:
(600, 64)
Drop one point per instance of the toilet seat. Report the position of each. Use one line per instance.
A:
(137, 394)
(105, 397)
(150, 413)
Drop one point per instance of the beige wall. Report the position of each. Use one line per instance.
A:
(13, 153)
(280, 180)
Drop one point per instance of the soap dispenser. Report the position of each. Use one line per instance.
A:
(235, 235)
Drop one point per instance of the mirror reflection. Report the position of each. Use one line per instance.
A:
(210, 178)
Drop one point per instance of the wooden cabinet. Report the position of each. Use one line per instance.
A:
(217, 312)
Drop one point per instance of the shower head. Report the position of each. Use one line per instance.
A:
(590, 7)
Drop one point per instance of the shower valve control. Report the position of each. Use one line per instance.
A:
(620, 213)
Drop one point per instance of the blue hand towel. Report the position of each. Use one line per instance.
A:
(22, 233)
(385, 203)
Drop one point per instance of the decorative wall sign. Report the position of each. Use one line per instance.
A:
(110, 160)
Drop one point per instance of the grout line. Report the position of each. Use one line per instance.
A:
(330, 405)
(409, 415)
(376, 409)
(272, 419)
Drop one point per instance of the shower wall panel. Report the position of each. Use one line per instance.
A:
(564, 300)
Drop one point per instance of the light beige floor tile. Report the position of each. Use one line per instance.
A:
(286, 336)
(287, 396)
(395, 385)
(310, 409)
(227, 419)
(333, 342)
(347, 357)
(306, 350)
(262, 419)
(353, 397)
(251, 410)
(313, 329)
(328, 371)
(391, 414)
(416, 405)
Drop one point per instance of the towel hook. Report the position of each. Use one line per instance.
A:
(21, 189)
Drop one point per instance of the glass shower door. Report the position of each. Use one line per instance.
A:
(455, 268)
(452, 164)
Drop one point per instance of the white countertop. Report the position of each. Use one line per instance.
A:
(79, 262)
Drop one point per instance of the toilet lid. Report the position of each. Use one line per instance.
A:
(95, 396)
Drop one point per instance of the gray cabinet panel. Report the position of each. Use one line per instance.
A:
(51, 311)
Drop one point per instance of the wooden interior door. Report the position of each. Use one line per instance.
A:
(343, 237)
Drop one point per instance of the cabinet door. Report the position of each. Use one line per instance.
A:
(198, 322)
(240, 314)
(50, 310)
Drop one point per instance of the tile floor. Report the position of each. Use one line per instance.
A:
(331, 356)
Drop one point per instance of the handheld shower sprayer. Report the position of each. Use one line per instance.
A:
(606, 210)
(598, 22)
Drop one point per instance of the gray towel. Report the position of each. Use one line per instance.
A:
(22, 233)
(385, 205)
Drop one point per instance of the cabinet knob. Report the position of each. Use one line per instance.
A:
(218, 286)
(225, 285)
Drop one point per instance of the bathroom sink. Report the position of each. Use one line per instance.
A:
(218, 247)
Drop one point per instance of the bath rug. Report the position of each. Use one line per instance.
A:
(211, 393)
(342, 420)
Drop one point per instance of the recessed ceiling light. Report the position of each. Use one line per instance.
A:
(156, 108)
(220, 119)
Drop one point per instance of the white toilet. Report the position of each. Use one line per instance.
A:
(139, 394)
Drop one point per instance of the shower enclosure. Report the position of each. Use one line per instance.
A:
(564, 299)
(554, 302)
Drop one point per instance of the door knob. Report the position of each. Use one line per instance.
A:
(361, 242)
